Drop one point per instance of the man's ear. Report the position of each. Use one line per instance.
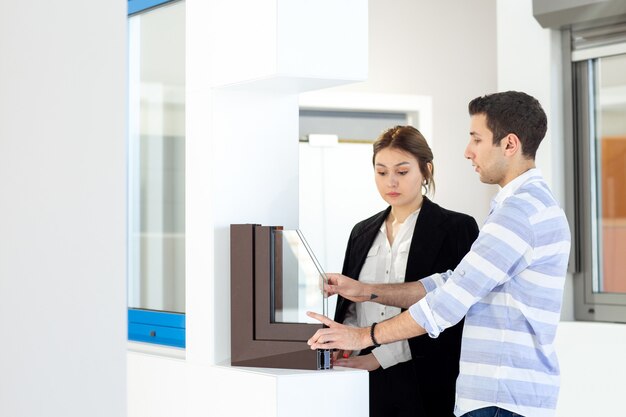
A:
(511, 144)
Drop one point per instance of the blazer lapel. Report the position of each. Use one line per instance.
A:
(363, 242)
(427, 239)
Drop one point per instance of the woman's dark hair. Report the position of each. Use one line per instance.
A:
(410, 140)
(513, 112)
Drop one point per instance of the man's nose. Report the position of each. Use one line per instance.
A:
(467, 153)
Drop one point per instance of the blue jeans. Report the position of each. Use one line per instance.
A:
(491, 412)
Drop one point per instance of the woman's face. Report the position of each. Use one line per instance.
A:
(398, 178)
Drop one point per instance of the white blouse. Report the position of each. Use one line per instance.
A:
(385, 264)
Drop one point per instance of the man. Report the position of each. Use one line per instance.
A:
(509, 287)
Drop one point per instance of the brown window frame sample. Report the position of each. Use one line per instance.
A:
(255, 340)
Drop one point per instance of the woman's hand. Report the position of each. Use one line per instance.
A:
(340, 354)
(367, 362)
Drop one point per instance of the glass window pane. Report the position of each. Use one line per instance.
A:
(298, 279)
(156, 165)
(610, 176)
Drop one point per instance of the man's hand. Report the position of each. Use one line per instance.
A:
(367, 362)
(338, 336)
(347, 287)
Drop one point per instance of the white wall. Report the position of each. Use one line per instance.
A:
(62, 208)
(157, 385)
(591, 354)
(446, 50)
(591, 357)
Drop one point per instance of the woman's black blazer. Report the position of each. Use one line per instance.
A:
(441, 238)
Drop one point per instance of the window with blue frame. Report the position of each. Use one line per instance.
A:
(156, 172)
(139, 6)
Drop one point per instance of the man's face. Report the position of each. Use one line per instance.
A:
(487, 159)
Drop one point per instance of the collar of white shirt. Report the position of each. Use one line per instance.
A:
(509, 189)
(409, 220)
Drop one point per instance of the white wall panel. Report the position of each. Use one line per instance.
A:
(62, 208)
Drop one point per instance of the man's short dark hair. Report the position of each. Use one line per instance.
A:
(513, 112)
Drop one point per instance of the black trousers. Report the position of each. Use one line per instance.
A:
(394, 392)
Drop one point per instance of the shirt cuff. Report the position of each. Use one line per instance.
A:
(386, 357)
(423, 315)
(430, 282)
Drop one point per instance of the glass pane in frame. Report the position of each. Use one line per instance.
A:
(156, 166)
(297, 279)
(610, 174)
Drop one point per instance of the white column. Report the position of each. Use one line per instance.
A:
(246, 63)
(62, 208)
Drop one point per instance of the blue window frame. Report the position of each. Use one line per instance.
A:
(138, 6)
(160, 327)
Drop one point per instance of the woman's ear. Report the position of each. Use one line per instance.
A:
(430, 167)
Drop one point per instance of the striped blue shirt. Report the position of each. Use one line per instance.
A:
(509, 287)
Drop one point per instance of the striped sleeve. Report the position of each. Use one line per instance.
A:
(503, 249)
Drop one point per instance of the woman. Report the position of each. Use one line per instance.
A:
(411, 239)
